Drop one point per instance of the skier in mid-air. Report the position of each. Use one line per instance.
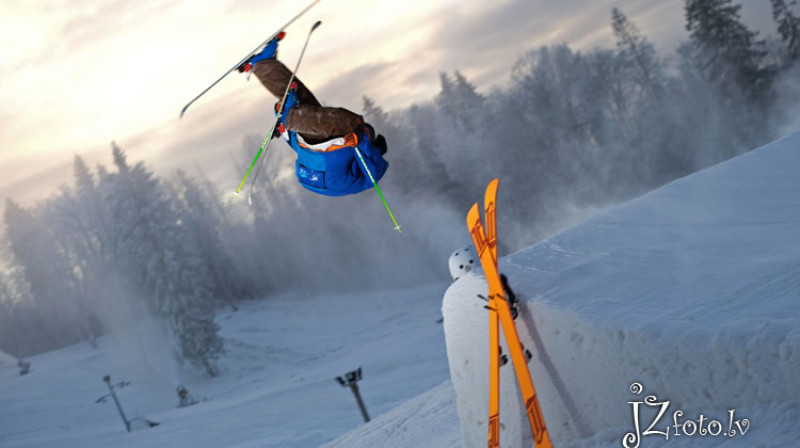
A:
(327, 140)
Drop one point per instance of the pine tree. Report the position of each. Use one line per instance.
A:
(192, 318)
(726, 51)
(92, 213)
(70, 219)
(788, 27)
(460, 100)
(636, 50)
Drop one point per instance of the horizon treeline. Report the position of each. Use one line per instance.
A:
(572, 133)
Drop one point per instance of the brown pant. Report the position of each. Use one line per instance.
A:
(308, 117)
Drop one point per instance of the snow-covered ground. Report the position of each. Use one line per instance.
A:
(691, 291)
(277, 387)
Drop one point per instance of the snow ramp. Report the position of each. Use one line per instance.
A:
(690, 293)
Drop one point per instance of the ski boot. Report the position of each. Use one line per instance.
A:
(268, 52)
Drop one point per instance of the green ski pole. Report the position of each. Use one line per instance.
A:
(388, 210)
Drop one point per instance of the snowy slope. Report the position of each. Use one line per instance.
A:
(692, 291)
(429, 420)
(277, 387)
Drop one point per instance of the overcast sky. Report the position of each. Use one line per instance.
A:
(77, 74)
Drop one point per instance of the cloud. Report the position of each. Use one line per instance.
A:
(484, 43)
(343, 90)
(77, 75)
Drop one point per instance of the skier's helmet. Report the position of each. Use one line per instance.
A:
(462, 261)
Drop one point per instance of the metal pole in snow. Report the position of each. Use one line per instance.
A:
(354, 388)
(107, 379)
(350, 380)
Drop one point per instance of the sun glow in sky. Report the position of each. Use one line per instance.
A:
(78, 74)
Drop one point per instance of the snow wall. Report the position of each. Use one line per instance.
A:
(690, 293)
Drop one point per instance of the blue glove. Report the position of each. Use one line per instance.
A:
(291, 100)
(270, 50)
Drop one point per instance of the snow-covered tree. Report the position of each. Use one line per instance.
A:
(201, 221)
(160, 261)
(460, 100)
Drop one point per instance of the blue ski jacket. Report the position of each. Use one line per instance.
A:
(334, 168)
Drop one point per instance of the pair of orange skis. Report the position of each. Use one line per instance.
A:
(500, 314)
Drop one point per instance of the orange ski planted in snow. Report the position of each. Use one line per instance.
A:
(499, 309)
(474, 219)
